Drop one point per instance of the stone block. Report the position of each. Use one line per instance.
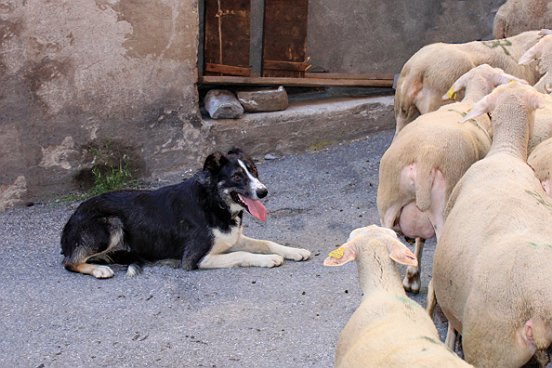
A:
(222, 104)
(264, 100)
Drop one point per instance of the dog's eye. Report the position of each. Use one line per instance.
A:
(236, 177)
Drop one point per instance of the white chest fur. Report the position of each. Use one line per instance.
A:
(224, 241)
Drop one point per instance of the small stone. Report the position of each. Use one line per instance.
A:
(271, 156)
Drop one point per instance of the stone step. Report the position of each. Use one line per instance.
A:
(304, 125)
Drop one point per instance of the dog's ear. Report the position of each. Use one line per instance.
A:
(235, 151)
(214, 162)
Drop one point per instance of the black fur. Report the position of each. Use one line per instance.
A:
(173, 222)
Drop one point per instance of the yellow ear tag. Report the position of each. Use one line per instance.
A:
(337, 253)
(451, 94)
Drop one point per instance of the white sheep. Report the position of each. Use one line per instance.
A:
(516, 16)
(542, 53)
(388, 329)
(427, 158)
(491, 268)
(429, 73)
(540, 160)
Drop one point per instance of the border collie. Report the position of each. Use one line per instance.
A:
(197, 222)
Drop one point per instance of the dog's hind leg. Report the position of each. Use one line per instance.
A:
(98, 271)
(268, 247)
(94, 240)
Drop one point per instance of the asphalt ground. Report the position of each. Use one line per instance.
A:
(288, 316)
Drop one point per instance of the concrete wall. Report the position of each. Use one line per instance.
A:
(374, 36)
(78, 76)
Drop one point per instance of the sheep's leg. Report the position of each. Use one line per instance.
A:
(431, 301)
(450, 340)
(542, 358)
(411, 281)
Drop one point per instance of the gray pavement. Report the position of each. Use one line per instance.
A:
(289, 316)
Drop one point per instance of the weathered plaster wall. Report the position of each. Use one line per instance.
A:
(374, 36)
(78, 74)
(120, 75)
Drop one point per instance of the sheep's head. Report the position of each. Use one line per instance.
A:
(485, 76)
(527, 95)
(371, 236)
(541, 52)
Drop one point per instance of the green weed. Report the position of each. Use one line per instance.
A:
(108, 178)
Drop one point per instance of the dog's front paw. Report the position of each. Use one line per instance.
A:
(102, 272)
(297, 254)
(270, 260)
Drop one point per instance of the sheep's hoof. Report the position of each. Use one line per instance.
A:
(411, 281)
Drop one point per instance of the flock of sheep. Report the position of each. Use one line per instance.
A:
(471, 164)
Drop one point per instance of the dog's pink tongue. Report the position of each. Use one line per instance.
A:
(255, 207)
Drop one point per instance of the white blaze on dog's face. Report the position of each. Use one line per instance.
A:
(256, 188)
(239, 185)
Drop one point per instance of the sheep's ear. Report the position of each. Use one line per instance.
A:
(460, 83)
(399, 253)
(342, 255)
(507, 78)
(535, 52)
(537, 100)
(451, 93)
(484, 105)
(529, 56)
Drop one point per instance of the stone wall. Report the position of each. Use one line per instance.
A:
(83, 76)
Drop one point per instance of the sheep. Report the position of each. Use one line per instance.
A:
(388, 329)
(491, 268)
(427, 158)
(541, 162)
(428, 74)
(542, 53)
(516, 16)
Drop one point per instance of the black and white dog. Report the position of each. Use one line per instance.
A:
(197, 222)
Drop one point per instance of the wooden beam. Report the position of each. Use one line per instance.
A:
(286, 65)
(227, 69)
(295, 82)
(349, 76)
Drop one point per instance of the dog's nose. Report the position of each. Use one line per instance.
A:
(262, 192)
